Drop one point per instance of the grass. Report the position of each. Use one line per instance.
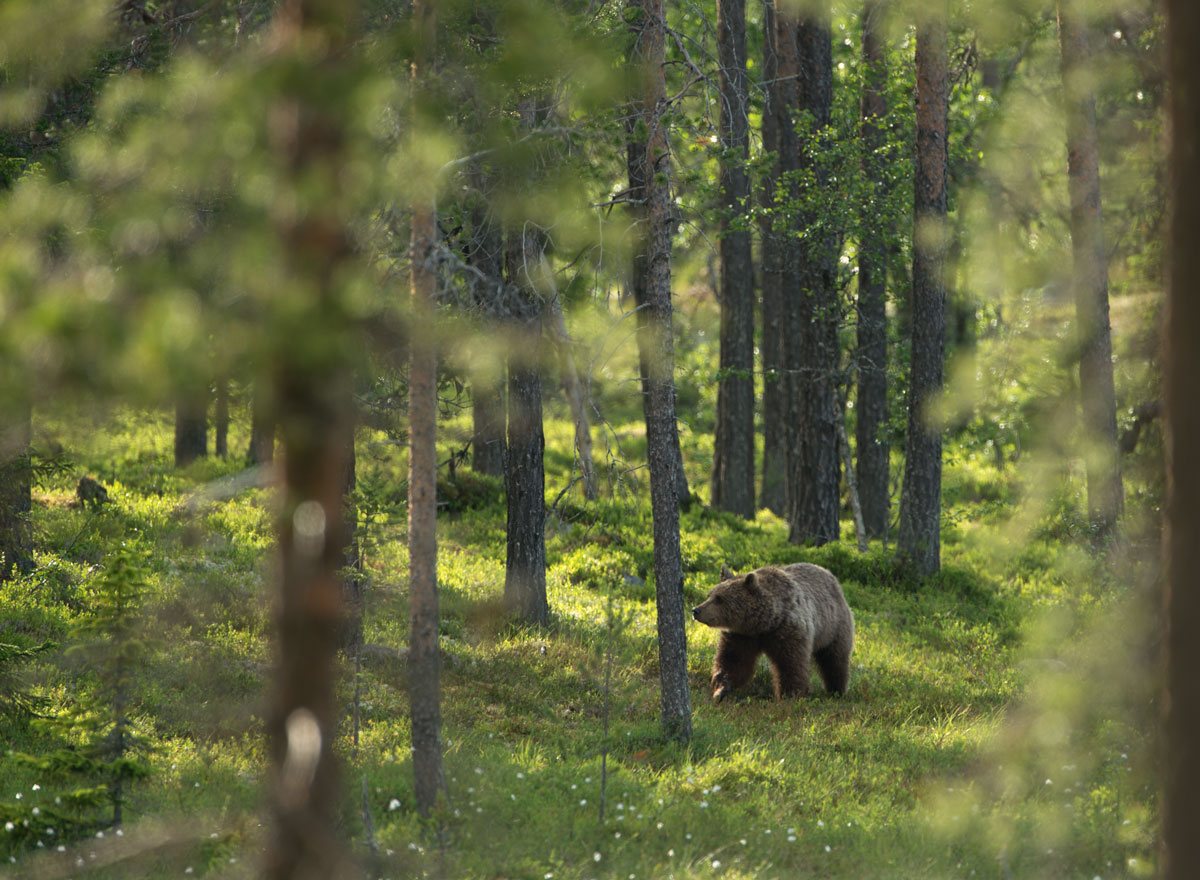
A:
(996, 723)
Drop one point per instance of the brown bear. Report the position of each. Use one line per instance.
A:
(790, 614)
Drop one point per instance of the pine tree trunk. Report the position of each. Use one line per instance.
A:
(871, 354)
(525, 476)
(919, 540)
(424, 667)
(774, 467)
(649, 163)
(810, 346)
(489, 414)
(1181, 767)
(1090, 282)
(191, 428)
(733, 450)
(16, 491)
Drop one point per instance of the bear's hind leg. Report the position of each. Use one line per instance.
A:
(833, 662)
(734, 664)
(789, 658)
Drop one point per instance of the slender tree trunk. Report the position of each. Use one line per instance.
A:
(489, 412)
(191, 428)
(1181, 769)
(919, 540)
(774, 466)
(1103, 461)
(221, 419)
(733, 451)
(312, 392)
(424, 668)
(16, 490)
(525, 480)
(649, 163)
(810, 336)
(871, 354)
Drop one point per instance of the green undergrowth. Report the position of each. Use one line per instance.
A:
(995, 723)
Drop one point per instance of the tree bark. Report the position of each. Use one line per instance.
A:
(353, 582)
(774, 466)
(809, 345)
(1181, 770)
(16, 490)
(919, 540)
(525, 475)
(733, 450)
(649, 163)
(191, 428)
(424, 668)
(871, 353)
(311, 393)
(1106, 497)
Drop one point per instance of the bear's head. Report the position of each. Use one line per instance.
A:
(738, 604)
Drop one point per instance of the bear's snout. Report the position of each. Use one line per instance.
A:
(696, 612)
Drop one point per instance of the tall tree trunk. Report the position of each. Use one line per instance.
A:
(919, 540)
(1106, 497)
(312, 392)
(871, 355)
(733, 451)
(16, 490)
(774, 466)
(1181, 770)
(810, 320)
(525, 475)
(649, 163)
(191, 427)
(489, 414)
(424, 668)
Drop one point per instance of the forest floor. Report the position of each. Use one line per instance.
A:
(998, 721)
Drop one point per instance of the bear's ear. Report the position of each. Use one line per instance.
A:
(726, 574)
(750, 582)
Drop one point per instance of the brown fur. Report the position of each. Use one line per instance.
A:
(791, 614)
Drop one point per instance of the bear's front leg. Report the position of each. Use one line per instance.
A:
(789, 654)
(734, 664)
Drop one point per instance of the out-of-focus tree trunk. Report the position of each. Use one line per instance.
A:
(262, 426)
(577, 397)
(1106, 497)
(311, 395)
(649, 163)
(424, 663)
(221, 419)
(733, 449)
(488, 409)
(919, 540)
(1181, 768)
(16, 490)
(871, 354)
(191, 427)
